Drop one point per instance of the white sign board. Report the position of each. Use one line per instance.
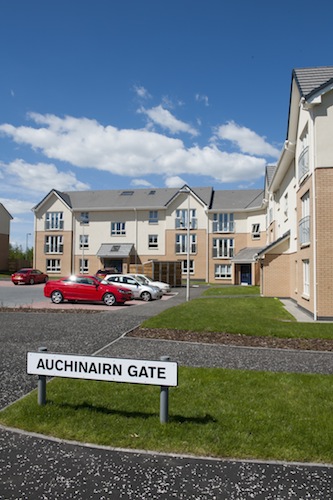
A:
(135, 371)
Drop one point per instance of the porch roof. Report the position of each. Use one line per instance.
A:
(246, 255)
(115, 250)
(273, 245)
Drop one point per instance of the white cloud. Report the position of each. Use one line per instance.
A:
(141, 92)
(140, 182)
(16, 206)
(246, 140)
(38, 178)
(202, 98)
(166, 120)
(174, 182)
(85, 143)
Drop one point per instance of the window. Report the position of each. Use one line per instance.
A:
(181, 243)
(126, 193)
(304, 224)
(223, 247)
(153, 217)
(54, 220)
(222, 271)
(223, 223)
(255, 231)
(181, 218)
(118, 229)
(84, 218)
(53, 244)
(306, 278)
(184, 266)
(84, 241)
(53, 266)
(85, 266)
(152, 241)
(286, 205)
(303, 159)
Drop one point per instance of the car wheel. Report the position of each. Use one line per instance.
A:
(146, 296)
(31, 281)
(57, 297)
(109, 299)
(15, 283)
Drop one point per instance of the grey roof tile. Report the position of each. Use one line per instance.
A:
(311, 80)
(240, 199)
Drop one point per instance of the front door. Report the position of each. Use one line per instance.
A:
(246, 274)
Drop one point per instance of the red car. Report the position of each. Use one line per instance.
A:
(88, 288)
(29, 276)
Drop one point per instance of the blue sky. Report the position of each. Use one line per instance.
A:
(106, 94)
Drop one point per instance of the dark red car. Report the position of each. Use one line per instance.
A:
(87, 288)
(29, 276)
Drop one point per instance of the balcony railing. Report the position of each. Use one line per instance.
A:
(303, 163)
(304, 230)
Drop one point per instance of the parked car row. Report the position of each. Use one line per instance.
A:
(110, 288)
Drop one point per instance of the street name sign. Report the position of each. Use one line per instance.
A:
(134, 371)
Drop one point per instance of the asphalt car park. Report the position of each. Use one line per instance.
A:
(33, 297)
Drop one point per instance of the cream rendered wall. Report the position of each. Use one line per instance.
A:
(286, 220)
(53, 204)
(323, 131)
(144, 229)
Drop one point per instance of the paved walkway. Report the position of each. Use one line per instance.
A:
(35, 467)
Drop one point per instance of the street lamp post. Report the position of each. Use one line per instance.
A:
(187, 190)
(82, 243)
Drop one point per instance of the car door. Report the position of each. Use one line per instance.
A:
(132, 284)
(87, 289)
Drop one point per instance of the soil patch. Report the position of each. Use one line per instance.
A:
(232, 339)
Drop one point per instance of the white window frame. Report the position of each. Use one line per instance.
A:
(84, 241)
(184, 266)
(223, 271)
(223, 248)
(53, 265)
(153, 216)
(306, 278)
(85, 266)
(223, 222)
(53, 244)
(255, 231)
(84, 218)
(181, 243)
(54, 221)
(153, 241)
(181, 218)
(118, 228)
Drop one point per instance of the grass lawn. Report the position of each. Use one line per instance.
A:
(263, 316)
(212, 412)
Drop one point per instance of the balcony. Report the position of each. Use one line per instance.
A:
(303, 163)
(304, 230)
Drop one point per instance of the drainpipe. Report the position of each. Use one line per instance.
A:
(314, 225)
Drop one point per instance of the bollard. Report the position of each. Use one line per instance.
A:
(164, 398)
(42, 384)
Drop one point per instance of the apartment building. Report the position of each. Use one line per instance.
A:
(297, 261)
(5, 219)
(217, 233)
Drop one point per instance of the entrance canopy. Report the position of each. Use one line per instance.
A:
(246, 255)
(115, 251)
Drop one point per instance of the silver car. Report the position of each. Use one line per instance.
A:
(165, 287)
(139, 290)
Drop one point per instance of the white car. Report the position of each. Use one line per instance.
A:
(139, 290)
(165, 287)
